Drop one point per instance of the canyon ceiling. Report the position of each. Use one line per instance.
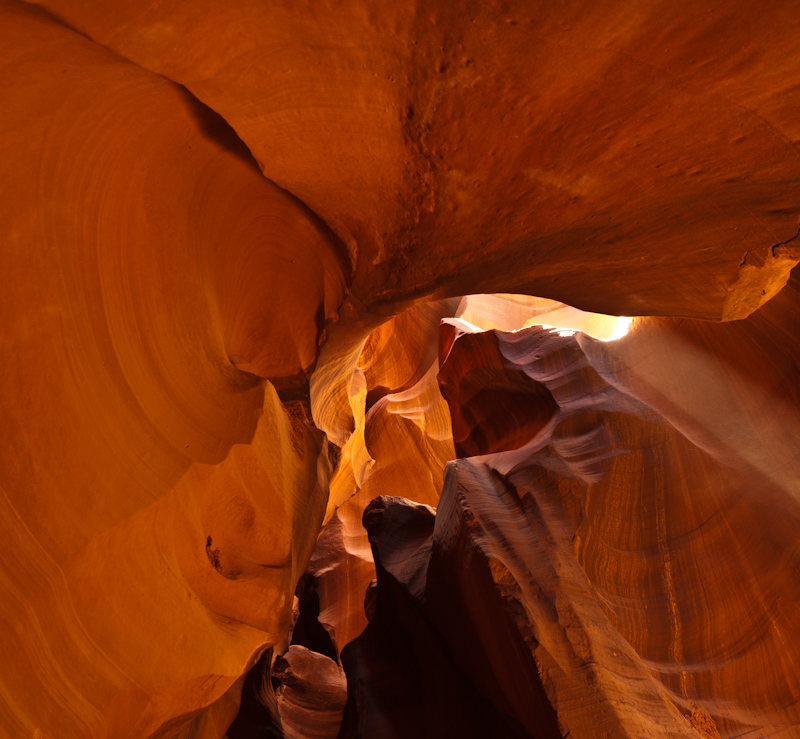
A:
(314, 420)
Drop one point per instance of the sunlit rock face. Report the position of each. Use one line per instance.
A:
(614, 541)
(236, 243)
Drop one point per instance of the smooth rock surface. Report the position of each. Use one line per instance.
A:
(230, 233)
(510, 146)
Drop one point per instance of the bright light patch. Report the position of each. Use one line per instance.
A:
(622, 328)
(557, 330)
(507, 312)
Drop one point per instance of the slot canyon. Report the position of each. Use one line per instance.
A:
(400, 370)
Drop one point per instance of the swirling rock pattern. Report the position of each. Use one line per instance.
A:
(230, 235)
(311, 694)
(508, 146)
(403, 440)
(157, 500)
(608, 542)
(592, 536)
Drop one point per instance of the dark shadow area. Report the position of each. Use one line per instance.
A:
(258, 712)
(407, 676)
(217, 129)
(308, 631)
(47, 15)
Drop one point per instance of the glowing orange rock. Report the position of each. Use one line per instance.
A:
(187, 292)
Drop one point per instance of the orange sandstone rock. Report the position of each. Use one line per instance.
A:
(159, 503)
(622, 158)
(209, 209)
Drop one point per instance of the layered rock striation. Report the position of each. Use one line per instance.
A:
(236, 240)
(577, 565)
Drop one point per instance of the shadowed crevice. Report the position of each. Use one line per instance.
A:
(217, 129)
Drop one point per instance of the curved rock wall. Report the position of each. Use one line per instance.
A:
(234, 239)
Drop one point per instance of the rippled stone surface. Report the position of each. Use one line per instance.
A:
(615, 542)
(235, 239)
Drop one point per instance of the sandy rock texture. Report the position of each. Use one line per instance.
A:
(501, 143)
(264, 264)
(159, 503)
(599, 563)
